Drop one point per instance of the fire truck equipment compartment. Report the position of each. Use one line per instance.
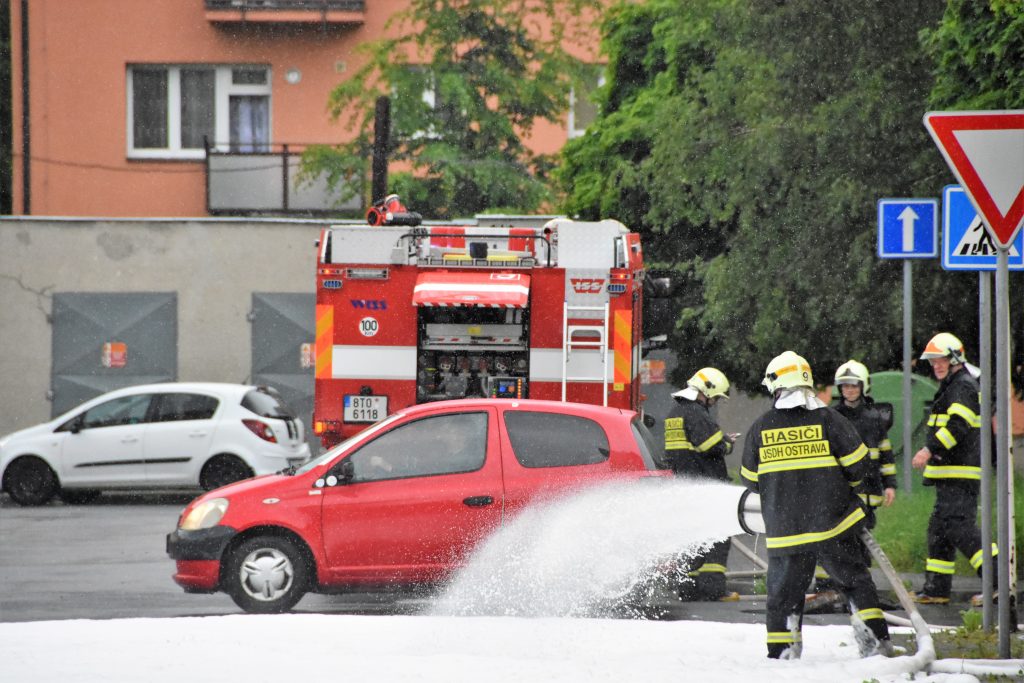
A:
(491, 290)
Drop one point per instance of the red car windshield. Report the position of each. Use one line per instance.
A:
(650, 450)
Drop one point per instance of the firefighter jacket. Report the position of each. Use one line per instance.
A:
(954, 431)
(806, 466)
(694, 444)
(873, 429)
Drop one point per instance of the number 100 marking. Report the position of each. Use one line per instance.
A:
(369, 327)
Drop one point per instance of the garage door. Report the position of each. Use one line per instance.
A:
(283, 328)
(108, 340)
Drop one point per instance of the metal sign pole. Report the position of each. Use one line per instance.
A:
(1004, 470)
(908, 302)
(985, 361)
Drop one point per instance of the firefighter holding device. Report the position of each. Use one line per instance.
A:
(696, 447)
(806, 462)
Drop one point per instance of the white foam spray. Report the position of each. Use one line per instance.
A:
(570, 556)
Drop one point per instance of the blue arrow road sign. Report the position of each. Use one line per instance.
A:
(966, 244)
(908, 228)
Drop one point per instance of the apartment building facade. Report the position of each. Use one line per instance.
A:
(175, 108)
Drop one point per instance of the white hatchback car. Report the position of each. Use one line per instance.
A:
(174, 435)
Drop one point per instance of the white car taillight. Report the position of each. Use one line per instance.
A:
(261, 429)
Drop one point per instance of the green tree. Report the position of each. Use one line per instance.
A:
(978, 52)
(750, 142)
(468, 79)
(837, 127)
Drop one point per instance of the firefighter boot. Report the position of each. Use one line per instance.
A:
(870, 643)
(937, 588)
(711, 584)
(791, 646)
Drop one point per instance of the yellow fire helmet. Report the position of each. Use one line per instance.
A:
(852, 372)
(711, 382)
(786, 371)
(945, 345)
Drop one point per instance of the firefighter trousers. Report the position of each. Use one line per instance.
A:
(707, 572)
(790, 575)
(952, 527)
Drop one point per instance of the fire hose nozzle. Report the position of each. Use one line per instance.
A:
(749, 513)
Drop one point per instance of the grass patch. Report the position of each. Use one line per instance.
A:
(902, 529)
(967, 641)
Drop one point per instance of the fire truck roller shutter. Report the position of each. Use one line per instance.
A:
(494, 290)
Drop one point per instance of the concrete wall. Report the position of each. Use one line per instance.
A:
(214, 265)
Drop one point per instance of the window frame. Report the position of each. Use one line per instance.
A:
(223, 89)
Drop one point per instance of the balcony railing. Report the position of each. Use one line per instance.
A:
(265, 183)
(287, 11)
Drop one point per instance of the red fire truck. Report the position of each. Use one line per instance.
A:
(501, 307)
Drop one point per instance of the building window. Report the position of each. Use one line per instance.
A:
(582, 108)
(172, 109)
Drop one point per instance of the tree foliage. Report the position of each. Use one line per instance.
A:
(750, 140)
(468, 79)
(978, 49)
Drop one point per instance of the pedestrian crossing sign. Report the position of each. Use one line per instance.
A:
(966, 244)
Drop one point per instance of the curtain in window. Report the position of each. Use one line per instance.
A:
(197, 105)
(149, 108)
(250, 123)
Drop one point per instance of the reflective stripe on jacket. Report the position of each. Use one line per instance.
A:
(954, 430)
(694, 444)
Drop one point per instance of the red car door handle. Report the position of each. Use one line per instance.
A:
(478, 501)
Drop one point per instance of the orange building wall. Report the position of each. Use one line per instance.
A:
(79, 52)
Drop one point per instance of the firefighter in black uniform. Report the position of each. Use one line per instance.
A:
(952, 464)
(696, 447)
(854, 382)
(879, 487)
(806, 462)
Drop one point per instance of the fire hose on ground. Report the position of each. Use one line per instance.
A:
(750, 519)
(749, 513)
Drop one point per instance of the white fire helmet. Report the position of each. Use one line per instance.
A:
(854, 372)
(788, 370)
(711, 382)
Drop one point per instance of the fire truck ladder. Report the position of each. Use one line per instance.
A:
(569, 332)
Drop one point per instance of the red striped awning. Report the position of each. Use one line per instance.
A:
(491, 290)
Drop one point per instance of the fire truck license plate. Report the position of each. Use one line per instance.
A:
(365, 408)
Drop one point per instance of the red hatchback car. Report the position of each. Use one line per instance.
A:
(403, 502)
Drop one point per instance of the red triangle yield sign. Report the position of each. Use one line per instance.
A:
(985, 151)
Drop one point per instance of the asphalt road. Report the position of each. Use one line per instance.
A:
(107, 560)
